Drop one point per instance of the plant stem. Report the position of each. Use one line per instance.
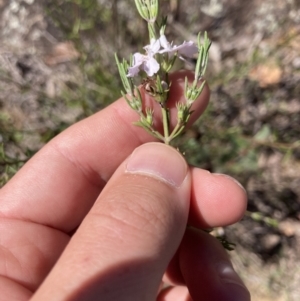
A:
(165, 115)
(152, 131)
(152, 32)
(175, 131)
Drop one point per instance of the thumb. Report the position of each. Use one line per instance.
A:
(126, 241)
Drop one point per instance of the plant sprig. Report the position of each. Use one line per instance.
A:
(154, 66)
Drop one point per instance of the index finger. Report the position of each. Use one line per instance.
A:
(58, 186)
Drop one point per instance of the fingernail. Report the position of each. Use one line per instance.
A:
(159, 161)
(231, 178)
(228, 276)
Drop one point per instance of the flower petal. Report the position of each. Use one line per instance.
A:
(153, 48)
(133, 71)
(138, 60)
(151, 66)
(188, 49)
(164, 42)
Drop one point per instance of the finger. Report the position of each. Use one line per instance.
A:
(123, 246)
(58, 186)
(32, 269)
(216, 199)
(207, 270)
(176, 293)
(28, 252)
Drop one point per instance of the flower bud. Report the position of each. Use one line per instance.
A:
(145, 13)
(188, 93)
(181, 111)
(154, 10)
(194, 94)
(149, 117)
(180, 114)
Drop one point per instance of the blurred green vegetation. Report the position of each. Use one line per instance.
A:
(83, 25)
(97, 87)
(8, 166)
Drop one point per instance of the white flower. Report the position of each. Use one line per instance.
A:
(153, 48)
(145, 62)
(149, 64)
(187, 49)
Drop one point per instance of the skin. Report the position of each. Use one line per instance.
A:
(81, 221)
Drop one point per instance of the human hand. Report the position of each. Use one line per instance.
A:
(96, 216)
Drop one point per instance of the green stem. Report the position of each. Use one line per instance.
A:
(174, 132)
(180, 130)
(152, 32)
(165, 115)
(157, 135)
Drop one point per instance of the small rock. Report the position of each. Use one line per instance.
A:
(270, 242)
(296, 63)
(61, 53)
(267, 74)
(289, 228)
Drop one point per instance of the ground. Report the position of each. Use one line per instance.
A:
(57, 67)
